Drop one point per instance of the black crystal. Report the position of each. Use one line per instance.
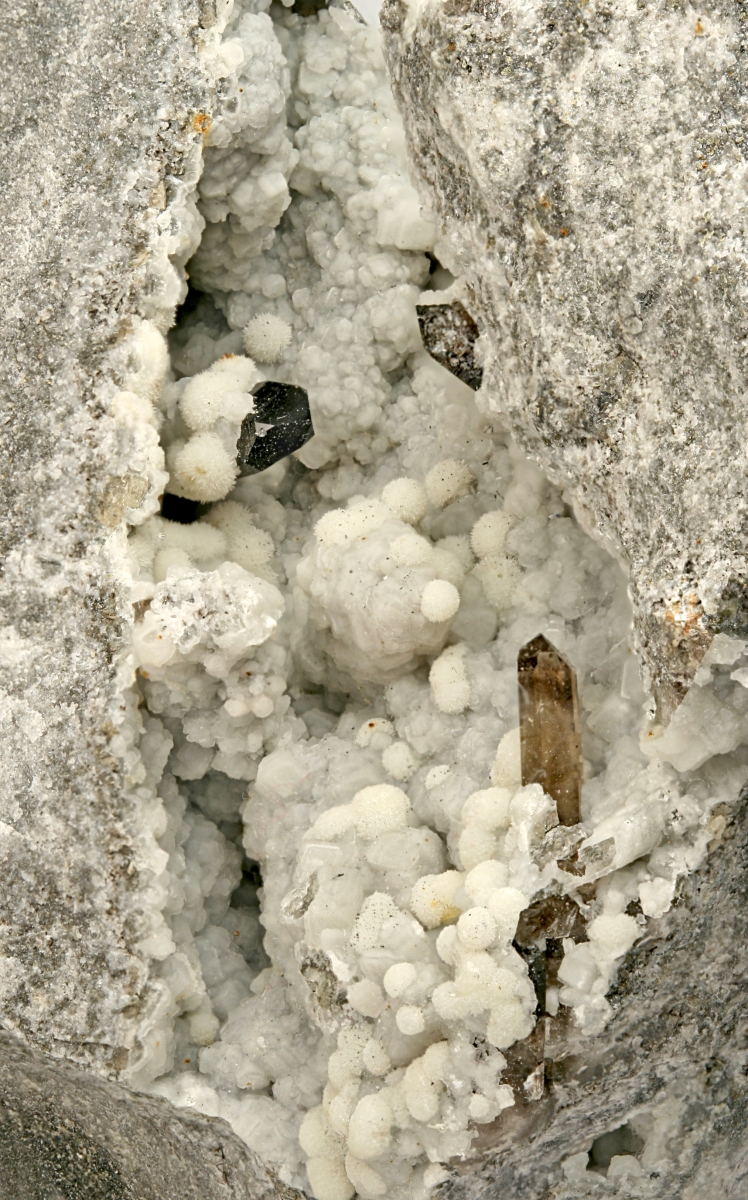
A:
(178, 508)
(281, 423)
(449, 334)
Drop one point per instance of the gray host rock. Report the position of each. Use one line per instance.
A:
(588, 166)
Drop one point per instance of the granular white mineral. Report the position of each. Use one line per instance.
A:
(327, 677)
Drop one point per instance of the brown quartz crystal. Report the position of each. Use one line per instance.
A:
(550, 740)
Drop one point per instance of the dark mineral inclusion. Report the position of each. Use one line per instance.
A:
(550, 740)
(280, 423)
(449, 334)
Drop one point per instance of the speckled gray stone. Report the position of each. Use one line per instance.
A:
(67, 1134)
(588, 167)
(98, 104)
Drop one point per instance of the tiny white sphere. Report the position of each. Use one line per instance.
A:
(476, 929)
(203, 469)
(399, 978)
(489, 533)
(406, 499)
(440, 600)
(267, 337)
(448, 481)
(410, 1019)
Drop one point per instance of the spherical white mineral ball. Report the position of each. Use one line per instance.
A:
(476, 929)
(380, 809)
(406, 499)
(410, 1020)
(440, 600)
(204, 470)
(267, 337)
(399, 978)
(505, 905)
(489, 533)
(207, 395)
(448, 481)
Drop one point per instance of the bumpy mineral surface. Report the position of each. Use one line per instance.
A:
(588, 164)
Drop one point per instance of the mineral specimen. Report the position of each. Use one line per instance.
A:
(549, 730)
(267, 851)
(587, 167)
(281, 423)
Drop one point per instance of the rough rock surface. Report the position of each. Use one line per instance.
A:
(65, 1133)
(588, 168)
(98, 104)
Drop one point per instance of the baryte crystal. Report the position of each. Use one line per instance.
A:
(549, 726)
(281, 423)
(449, 334)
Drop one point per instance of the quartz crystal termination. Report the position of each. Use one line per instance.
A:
(595, 214)
(279, 424)
(550, 741)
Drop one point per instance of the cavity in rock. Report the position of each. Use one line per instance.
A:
(449, 334)
(281, 423)
(550, 740)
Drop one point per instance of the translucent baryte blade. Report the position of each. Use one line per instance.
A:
(550, 739)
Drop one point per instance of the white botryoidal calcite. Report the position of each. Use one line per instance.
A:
(267, 337)
(375, 601)
(450, 686)
(212, 405)
(448, 481)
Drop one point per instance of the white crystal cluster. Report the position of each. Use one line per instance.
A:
(327, 674)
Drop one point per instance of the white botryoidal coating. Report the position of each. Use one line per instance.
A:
(370, 1126)
(406, 500)
(399, 978)
(366, 997)
(432, 900)
(365, 1179)
(375, 1058)
(448, 481)
(342, 526)
(498, 575)
(410, 1020)
(476, 929)
(170, 556)
(411, 550)
(485, 814)
(204, 470)
(379, 809)
(250, 547)
(398, 761)
(440, 600)
(210, 396)
(267, 337)
(488, 534)
(328, 1179)
(450, 687)
(506, 771)
(505, 906)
